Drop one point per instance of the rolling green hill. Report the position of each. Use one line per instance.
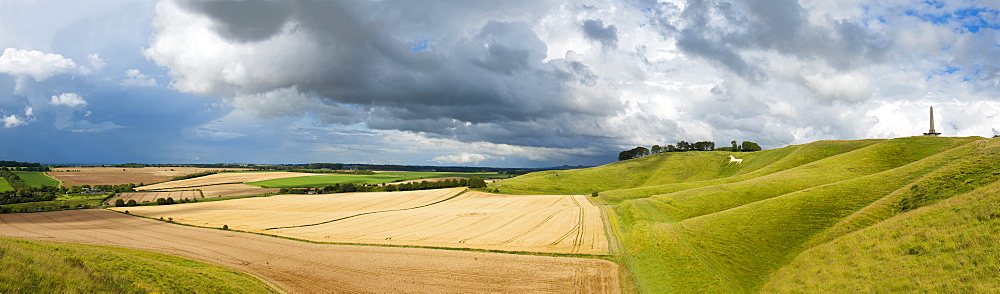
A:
(691, 222)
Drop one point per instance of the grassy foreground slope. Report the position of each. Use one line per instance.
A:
(729, 229)
(950, 247)
(50, 267)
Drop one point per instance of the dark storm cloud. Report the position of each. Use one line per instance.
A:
(595, 30)
(726, 31)
(486, 82)
(249, 20)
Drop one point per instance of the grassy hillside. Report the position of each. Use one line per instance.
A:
(36, 179)
(735, 229)
(950, 247)
(50, 267)
(4, 186)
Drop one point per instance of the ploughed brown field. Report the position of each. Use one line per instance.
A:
(78, 176)
(432, 218)
(224, 178)
(301, 267)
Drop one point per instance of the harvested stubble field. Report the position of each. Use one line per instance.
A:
(141, 197)
(434, 218)
(78, 176)
(258, 214)
(300, 267)
(228, 190)
(224, 178)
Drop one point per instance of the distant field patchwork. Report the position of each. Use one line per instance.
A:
(436, 218)
(77, 176)
(378, 178)
(224, 178)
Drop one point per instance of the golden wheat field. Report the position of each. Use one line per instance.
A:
(224, 178)
(433, 218)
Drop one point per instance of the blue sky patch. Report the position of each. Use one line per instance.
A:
(421, 46)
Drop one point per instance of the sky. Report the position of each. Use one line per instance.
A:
(519, 83)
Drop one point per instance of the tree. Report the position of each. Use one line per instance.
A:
(131, 202)
(477, 182)
(119, 202)
(735, 146)
(624, 155)
(655, 149)
(748, 146)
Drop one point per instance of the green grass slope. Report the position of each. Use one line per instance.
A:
(36, 179)
(727, 229)
(4, 186)
(949, 247)
(50, 267)
(773, 161)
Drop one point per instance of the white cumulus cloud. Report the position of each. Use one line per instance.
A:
(68, 99)
(135, 78)
(11, 121)
(36, 64)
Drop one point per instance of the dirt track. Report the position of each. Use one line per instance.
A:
(300, 267)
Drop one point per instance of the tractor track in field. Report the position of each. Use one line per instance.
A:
(367, 213)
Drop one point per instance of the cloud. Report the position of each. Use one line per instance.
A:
(11, 121)
(550, 78)
(486, 83)
(135, 78)
(595, 30)
(217, 134)
(36, 64)
(96, 63)
(463, 158)
(68, 99)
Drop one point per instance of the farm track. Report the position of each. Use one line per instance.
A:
(301, 267)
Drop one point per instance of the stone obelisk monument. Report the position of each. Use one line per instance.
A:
(932, 132)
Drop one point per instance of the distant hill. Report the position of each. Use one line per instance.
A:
(899, 215)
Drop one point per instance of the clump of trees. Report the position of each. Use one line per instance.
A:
(168, 201)
(684, 146)
(320, 165)
(22, 166)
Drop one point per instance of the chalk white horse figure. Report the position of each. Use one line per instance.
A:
(734, 159)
